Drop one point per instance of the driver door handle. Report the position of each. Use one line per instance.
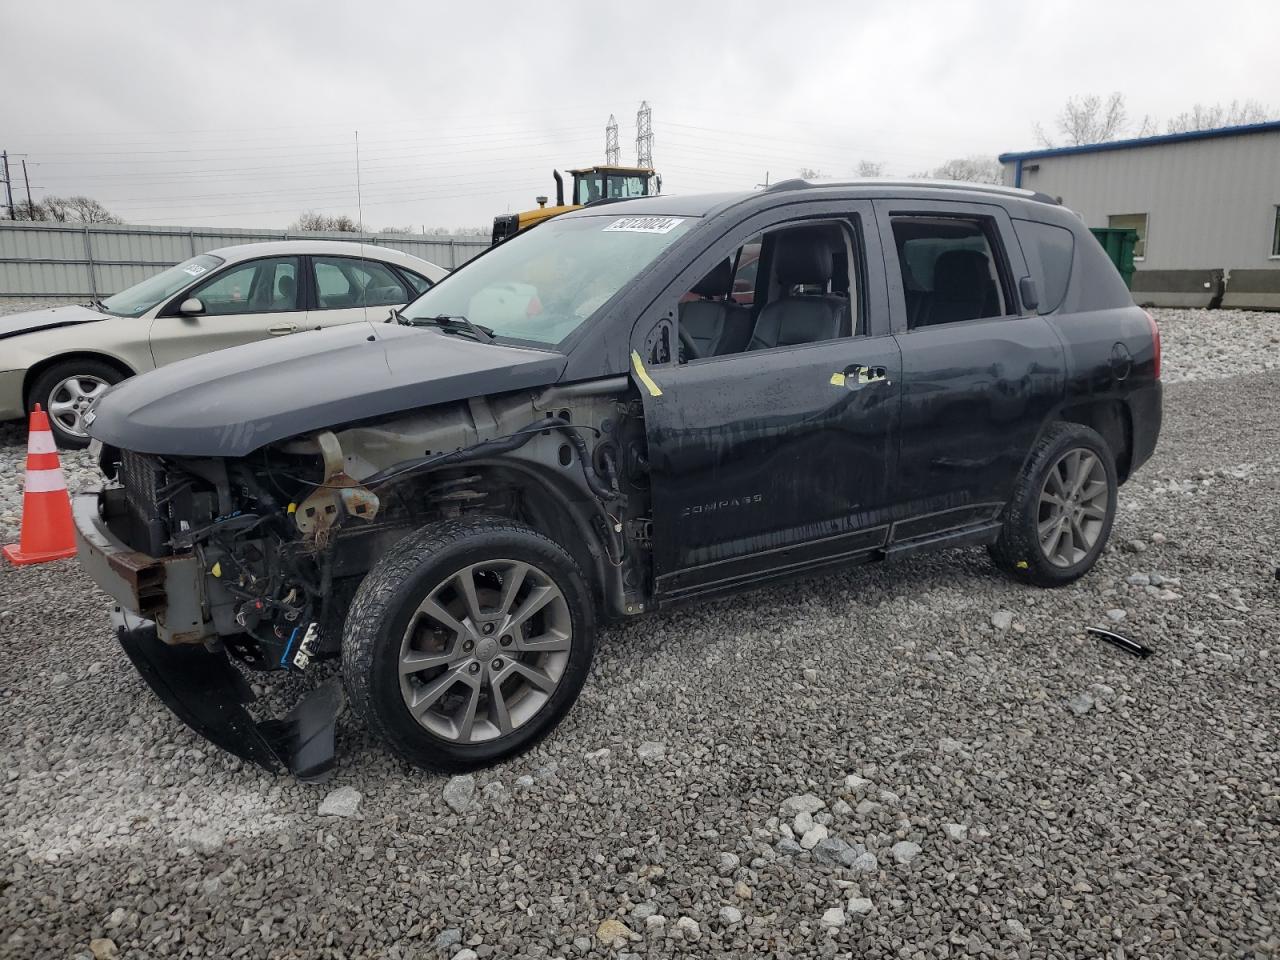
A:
(859, 375)
(280, 329)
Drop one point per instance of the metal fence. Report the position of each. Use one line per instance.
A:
(48, 260)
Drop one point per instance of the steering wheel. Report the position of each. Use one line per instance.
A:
(688, 349)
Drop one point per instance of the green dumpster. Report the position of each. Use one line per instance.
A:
(1119, 243)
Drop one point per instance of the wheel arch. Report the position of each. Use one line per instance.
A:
(554, 506)
(37, 370)
(1110, 418)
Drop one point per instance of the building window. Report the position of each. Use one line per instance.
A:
(1275, 236)
(1132, 221)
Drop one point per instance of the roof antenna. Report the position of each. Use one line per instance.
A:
(364, 295)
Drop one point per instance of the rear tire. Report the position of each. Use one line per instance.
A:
(1059, 518)
(441, 656)
(65, 391)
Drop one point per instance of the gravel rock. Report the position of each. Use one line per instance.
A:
(813, 836)
(904, 851)
(655, 921)
(651, 750)
(343, 802)
(613, 929)
(688, 928)
(805, 803)
(860, 906)
(103, 948)
(447, 938)
(1116, 614)
(854, 783)
(1081, 704)
(841, 809)
(835, 852)
(730, 915)
(789, 848)
(460, 793)
(865, 863)
(1002, 619)
(833, 919)
(729, 862)
(466, 953)
(955, 831)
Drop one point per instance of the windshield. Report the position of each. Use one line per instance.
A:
(628, 185)
(544, 284)
(141, 297)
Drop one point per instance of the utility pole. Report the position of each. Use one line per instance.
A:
(644, 136)
(31, 207)
(612, 152)
(8, 190)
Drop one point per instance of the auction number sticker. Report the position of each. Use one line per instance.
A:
(195, 269)
(645, 224)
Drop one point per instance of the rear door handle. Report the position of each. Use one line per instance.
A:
(280, 329)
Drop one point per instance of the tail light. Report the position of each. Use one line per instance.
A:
(1155, 340)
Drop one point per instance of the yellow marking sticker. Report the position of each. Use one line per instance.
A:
(837, 379)
(216, 569)
(293, 508)
(1021, 564)
(643, 375)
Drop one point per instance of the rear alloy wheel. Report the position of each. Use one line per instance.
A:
(1059, 518)
(468, 642)
(66, 391)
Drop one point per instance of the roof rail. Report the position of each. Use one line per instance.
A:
(799, 184)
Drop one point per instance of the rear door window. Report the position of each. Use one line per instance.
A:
(950, 270)
(343, 282)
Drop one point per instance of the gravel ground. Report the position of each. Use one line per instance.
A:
(934, 762)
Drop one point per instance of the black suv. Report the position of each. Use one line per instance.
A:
(627, 406)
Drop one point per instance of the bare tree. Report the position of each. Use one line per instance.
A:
(320, 223)
(22, 210)
(809, 173)
(1088, 119)
(976, 169)
(77, 209)
(1210, 116)
(870, 168)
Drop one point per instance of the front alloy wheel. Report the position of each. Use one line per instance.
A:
(468, 642)
(485, 651)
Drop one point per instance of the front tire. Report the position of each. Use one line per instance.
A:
(66, 390)
(468, 642)
(1059, 518)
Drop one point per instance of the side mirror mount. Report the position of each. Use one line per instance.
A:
(191, 307)
(1027, 290)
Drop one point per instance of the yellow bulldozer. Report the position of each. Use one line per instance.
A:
(589, 185)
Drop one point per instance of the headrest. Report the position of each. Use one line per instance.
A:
(803, 256)
(961, 274)
(285, 285)
(717, 282)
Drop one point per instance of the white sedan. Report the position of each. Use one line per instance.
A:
(64, 357)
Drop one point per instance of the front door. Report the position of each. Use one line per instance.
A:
(246, 301)
(771, 449)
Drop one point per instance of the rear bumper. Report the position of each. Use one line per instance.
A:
(1146, 411)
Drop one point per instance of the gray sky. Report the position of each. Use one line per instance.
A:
(243, 114)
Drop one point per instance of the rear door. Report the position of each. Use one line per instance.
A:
(980, 374)
(771, 459)
(246, 301)
(352, 290)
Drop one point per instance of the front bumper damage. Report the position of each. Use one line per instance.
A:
(185, 664)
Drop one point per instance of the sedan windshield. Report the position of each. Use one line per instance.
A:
(141, 297)
(544, 284)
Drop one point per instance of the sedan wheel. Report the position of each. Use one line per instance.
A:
(70, 400)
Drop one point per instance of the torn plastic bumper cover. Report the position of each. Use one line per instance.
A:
(209, 695)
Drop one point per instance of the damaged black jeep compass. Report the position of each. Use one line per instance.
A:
(627, 406)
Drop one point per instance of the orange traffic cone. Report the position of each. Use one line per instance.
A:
(47, 531)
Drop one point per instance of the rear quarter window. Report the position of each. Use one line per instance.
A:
(1054, 249)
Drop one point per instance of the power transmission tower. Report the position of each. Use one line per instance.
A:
(8, 189)
(612, 152)
(644, 136)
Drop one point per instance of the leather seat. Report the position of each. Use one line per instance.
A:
(716, 325)
(962, 289)
(802, 256)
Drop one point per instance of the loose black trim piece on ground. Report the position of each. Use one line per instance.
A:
(1124, 643)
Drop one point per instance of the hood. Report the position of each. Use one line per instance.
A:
(18, 323)
(231, 402)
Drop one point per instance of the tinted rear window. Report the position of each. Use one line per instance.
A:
(1054, 247)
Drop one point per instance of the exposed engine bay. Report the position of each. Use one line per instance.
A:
(283, 536)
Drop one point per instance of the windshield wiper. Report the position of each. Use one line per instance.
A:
(452, 324)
